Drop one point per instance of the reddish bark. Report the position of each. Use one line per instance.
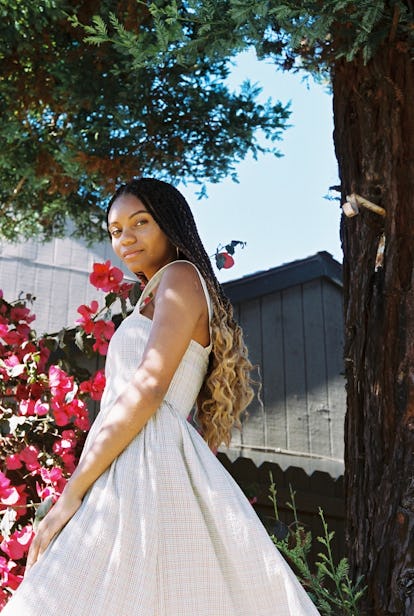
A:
(374, 140)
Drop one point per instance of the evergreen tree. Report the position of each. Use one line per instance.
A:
(78, 119)
(366, 49)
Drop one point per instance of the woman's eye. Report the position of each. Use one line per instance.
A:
(115, 232)
(139, 223)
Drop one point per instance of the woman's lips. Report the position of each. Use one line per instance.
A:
(131, 254)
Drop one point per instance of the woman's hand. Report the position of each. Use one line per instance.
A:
(51, 525)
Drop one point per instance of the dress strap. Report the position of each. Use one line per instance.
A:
(148, 292)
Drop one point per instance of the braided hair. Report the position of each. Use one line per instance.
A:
(227, 387)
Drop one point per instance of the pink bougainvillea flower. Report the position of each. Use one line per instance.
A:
(124, 289)
(87, 312)
(13, 462)
(44, 491)
(75, 411)
(106, 277)
(25, 352)
(23, 330)
(66, 443)
(22, 392)
(94, 386)
(8, 494)
(60, 383)
(82, 419)
(56, 476)
(4, 328)
(52, 475)
(11, 576)
(17, 545)
(41, 408)
(29, 455)
(59, 379)
(21, 313)
(12, 361)
(36, 390)
(62, 413)
(14, 338)
(55, 482)
(59, 448)
(4, 569)
(14, 581)
(69, 436)
(103, 332)
(68, 460)
(44, 355)
(27, 407)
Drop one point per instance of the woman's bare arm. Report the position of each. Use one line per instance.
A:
(179, 309)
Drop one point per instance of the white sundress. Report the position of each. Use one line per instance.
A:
(165, 530)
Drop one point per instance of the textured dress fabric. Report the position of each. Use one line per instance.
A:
(165, 530)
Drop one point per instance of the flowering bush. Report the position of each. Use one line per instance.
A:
(43, 408)
(43, 414)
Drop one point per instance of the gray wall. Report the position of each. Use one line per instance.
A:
(295, 337)
(57, 273)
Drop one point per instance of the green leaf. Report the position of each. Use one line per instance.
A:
(110, 298)
(80, 339)
(4, 427)
(220, 260)
(42, 511)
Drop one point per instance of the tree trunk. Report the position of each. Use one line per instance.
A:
(374, 141)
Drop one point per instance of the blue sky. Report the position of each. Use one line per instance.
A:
(278, 207)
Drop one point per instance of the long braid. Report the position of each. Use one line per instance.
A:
(227, 389)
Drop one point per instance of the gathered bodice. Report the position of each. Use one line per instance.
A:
(126, 349)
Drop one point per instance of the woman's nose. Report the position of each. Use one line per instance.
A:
(127, 237)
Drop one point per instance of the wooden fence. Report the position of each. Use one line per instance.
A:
(311, 492)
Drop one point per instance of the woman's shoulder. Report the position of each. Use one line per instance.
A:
(183, 278)
(181, 272)
(181, 275)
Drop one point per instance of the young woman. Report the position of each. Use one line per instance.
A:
(150, 523)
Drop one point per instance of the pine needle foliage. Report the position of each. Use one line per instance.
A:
(308, 34)
(84, 108)
(327, 583)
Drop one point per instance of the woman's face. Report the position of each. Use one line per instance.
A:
(136, 237)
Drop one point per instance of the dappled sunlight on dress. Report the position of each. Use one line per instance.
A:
(165, 531)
